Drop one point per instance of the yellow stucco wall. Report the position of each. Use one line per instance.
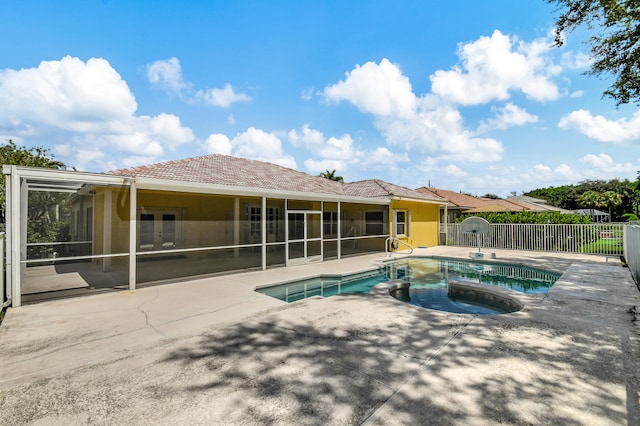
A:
(119, 238)
(424, 227)
(208, 220)
(203, 220)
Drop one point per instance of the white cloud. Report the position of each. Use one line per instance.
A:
(68, 94)
(253, 143)
(338, 148)
(508, 116)
(222, 97)
(81, 156)
(601, 129)
(493, 66)
(307, 137)
(218, 144)
(88, 106)
(427, 124)
(603, 163)
(307, 94)
(340, 153)
(378, 89)
(453, 170)
(167, 129)
(576, 60)
(332, 149)
(505, 180)
(383, 156)
(318, 166)
(463, 147)
(167, 74)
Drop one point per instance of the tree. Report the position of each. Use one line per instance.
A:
(611, 199)
(615, 48)
(567, 196)
(590, 199)
(634, 196)
(491, 196)
(40, 218)
(10, 154)
(331, 175)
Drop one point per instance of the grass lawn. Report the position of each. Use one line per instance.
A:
(607, 245)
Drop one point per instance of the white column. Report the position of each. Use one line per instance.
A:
(24, 216)
(14, 242)
(107, 229)
(263, 232)
(236, 226)
(446, 226)
(133, 218)
(8, 212)
(339, 232)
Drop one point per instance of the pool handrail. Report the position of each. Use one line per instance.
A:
(386, 245)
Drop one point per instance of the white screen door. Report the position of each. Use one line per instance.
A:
(304, 237)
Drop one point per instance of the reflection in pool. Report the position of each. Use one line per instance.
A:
(429, 280)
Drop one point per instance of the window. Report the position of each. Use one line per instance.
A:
(374, 223)
(330, 223)
(255, 220)
(401, 222)
(272, 218)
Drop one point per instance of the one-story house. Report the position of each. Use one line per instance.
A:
(204, 215)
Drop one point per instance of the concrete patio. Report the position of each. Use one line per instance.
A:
(213, 351)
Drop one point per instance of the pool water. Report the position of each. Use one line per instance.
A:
(429, 278)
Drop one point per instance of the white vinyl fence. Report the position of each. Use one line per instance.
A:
(599, 239)
(4, 291)
(632, 249)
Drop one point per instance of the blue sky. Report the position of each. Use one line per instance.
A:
(464, 95)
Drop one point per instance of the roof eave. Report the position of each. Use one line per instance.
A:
(205, 188)
(418, 200)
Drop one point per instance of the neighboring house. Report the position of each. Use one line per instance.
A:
(459, 204)
(536, 205)
(203, 215)
(597, 216)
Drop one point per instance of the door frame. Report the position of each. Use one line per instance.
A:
(305, 240)
(158, 228)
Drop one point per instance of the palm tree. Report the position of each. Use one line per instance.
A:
(331, 175)
(590, 199)
(611, 199)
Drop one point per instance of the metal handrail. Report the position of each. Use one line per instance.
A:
(386, 245)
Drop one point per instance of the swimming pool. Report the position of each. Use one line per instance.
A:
(429, 280)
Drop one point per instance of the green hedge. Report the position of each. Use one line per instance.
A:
(530, 217)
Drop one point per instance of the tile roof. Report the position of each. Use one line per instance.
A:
(456, 199)
(478, 204)
(536, 204)
(220, 169)
(379, 188)
(495, 208)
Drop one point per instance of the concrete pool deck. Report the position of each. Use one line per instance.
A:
(213, 351)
